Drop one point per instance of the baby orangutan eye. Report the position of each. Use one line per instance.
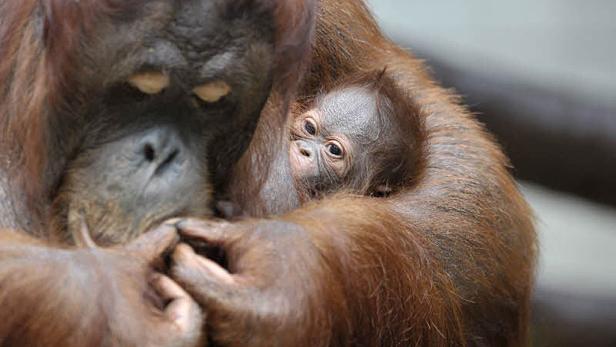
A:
(335, 150)
(309, 127)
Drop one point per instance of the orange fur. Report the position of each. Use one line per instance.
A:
(448, 260)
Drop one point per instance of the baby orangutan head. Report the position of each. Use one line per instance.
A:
(362, 137)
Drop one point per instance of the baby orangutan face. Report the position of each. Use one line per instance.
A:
(315, 152)
(328, 140)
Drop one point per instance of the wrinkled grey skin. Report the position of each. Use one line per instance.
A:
(138, 159)
(370, 132)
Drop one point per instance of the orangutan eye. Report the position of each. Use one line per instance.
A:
(310, 127)
(212, 92)
(335, 150)
(150, 82)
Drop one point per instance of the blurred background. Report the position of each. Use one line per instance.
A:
(541, 74)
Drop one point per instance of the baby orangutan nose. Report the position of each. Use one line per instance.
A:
(305, 149)
(304, 160)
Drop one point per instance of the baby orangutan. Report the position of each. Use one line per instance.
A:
(361, 137)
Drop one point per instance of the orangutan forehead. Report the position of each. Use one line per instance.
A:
(98, 43)
(199, 27)
(196, 36)
(349, 110)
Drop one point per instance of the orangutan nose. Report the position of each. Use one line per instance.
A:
(305, 149)
(162, 149)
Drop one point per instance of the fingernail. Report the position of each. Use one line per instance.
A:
(174, 222)
(185, 249)
(182, 253)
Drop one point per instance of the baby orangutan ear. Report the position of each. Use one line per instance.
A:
(151, 82)
(212, 92)
(382, 190)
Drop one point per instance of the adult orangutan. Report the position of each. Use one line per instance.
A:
(116, 115)
(140, 111)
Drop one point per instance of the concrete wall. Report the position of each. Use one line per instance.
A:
(566, 44)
